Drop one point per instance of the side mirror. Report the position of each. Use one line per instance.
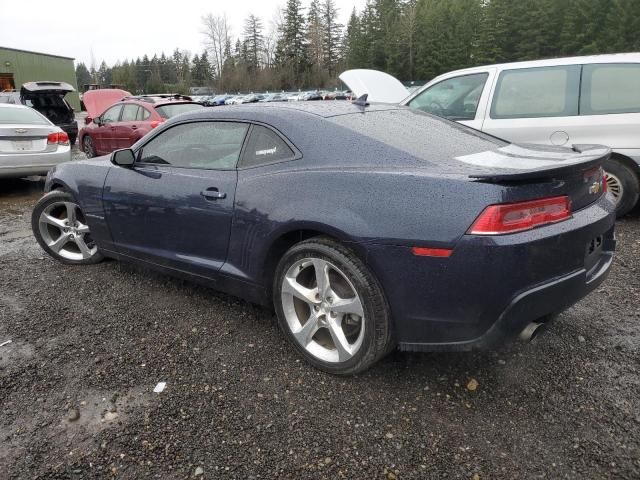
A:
(88, 120)
(123, 158)
(96, 121)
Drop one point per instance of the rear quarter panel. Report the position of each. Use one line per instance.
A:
(357, 206)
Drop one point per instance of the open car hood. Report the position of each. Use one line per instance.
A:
(379, 86)
(60, 88)
(97, 101)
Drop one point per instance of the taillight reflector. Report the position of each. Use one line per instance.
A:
(61, 138)
(432, 252)
(517, 217)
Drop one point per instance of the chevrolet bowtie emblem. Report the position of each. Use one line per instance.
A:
(595, 188)
(21, 130)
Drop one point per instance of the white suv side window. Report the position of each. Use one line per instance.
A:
(455, 98)
(537, 92)
(610, 88)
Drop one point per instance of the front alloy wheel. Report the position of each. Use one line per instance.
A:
(62, 231)
(331, 307)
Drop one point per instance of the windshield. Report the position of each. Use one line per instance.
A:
(22, 116)
(172, 109)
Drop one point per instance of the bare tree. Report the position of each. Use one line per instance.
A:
(217, 35)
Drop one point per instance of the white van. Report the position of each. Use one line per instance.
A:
(565, 101)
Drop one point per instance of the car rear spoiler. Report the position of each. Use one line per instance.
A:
(510, 164)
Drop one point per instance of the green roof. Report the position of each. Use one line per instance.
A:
(36, 53)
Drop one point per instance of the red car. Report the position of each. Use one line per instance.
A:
(111, 126)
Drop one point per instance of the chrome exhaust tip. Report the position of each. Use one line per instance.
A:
(529, 332)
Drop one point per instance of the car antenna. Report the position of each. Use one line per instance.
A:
(361, 101)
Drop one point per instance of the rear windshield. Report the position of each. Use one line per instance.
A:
(22, 115)
(419, 134)
(173, 109)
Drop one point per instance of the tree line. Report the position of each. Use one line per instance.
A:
(305, 46)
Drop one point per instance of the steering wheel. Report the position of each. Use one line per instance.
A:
(436, 108)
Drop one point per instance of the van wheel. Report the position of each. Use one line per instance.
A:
(623, 184)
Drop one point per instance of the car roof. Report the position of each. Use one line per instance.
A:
(278, 110)
(11, 105)
(553, 62)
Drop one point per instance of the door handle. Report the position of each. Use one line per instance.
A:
(134, 127)
(213, 194)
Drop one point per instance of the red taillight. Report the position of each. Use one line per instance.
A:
(61, 138)
(517, 217)
(605, 184)
(432, 252)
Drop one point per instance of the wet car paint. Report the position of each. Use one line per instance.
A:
(378, 199)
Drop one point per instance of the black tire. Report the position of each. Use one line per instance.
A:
(628, 181)
(378, 338)
(51, 198)
(72, 139)
(88, 147)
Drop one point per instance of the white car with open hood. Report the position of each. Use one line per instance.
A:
(564, 101)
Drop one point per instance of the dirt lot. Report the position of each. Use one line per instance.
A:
(90, 344)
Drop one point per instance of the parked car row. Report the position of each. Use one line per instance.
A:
(116, 119)
(226, 99)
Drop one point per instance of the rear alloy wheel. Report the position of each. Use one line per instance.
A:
(623, 184)
(331, 308)
(62, 231)
(87, 147)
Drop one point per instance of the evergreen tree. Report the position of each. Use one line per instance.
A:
(331, 36)
(315, 33)
(83, 76)
(253, 42)
(291, 53)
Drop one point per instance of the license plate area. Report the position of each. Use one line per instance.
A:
(593, 251)
(22, 145)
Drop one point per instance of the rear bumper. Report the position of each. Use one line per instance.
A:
(526, 307)
(24, 165)
(492, 287)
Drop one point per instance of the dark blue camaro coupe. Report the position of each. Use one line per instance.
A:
(367, 227)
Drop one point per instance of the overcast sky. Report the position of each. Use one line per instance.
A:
(117, 29)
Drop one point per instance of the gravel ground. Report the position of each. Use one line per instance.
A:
(89, 344)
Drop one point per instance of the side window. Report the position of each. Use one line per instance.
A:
(537, 92)
(455, 98)
(265, 146)
(610, 88)
(143, 114)
(112, 114)
(129, 113)
(209, 145)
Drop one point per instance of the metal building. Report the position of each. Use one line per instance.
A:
(20, 66)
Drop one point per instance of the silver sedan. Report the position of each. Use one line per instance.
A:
(29, 143)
